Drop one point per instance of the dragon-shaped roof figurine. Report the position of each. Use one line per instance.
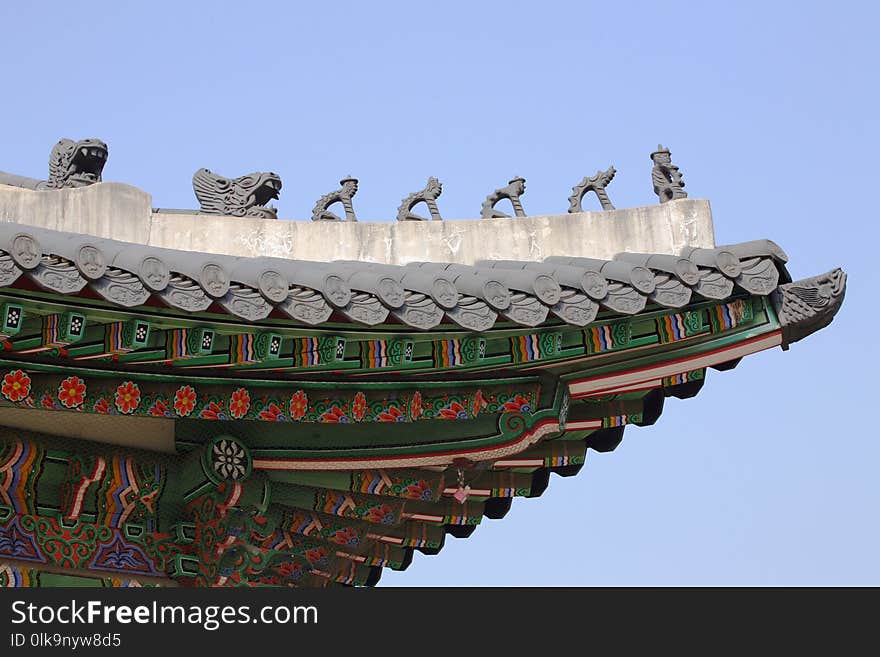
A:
(245, 196)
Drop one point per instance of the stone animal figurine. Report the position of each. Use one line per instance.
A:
(514, 189)
(71, 164)
(428, 196)
(246, 196)
(595, 184)
(343, 195)
(668, 184)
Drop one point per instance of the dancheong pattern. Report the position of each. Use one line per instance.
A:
(684, 377)
(607, 337)
(730, 315)
(678, 326)
(122, 517)
(527, 348)
(19, 469)
(46, 540)
(459, 351)
(15, 576)
(133, 398)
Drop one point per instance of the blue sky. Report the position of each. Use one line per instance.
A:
(770, 109)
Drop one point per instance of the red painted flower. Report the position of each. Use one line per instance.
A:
(346, 536)
(184, 401)
(381, 513)
(453, 411)
(359, 407)
(392, 414)
(159, 409)
(299, 404)
(16, 385)
(317, 557)
(240, 403)
(128, 397)
(479, 402)
(519, 404)
(290, 569)
(101, 406)
(415, 406)
(213, 411)
(335, 415)
(272, 413)
(71, 392)
(47, 401)
(421, 490)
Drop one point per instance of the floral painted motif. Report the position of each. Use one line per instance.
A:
(359, 407)
(184, 401)
(415, 406)
(154, 399)
(159, 409)
(16, 385)
(128, 397)
(317, 557)
(299, 404)
(420, 490)
(453, 411)
(71, 392)
(291, 570)
(381, 514)
(346, 536)
(336, 415)
(273, 413)
(240, 403)
(229, 460)
(213, 411)
(392, 414)
(518, 404)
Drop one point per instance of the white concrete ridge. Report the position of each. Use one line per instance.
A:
(121, 212)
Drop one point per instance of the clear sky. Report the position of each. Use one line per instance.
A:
(768, 476)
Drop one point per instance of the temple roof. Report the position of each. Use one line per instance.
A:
(333, 413)
(420, 295)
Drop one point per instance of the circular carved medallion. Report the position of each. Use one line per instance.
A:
(91, 262)
(26, 251)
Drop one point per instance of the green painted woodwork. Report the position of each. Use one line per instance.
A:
(261, 410)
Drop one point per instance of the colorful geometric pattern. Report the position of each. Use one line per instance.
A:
(17, 577)
(82, 473)
(528, 348)
(175, 344)
(336, 503)
(620, 420)
(678, 326)
(129, 493)
(607, 337)
(730, 315)
(458, 351)
(684, 377)
(375, 353)
(559, 460)
(43, 539)
(395, 484)
(52, 331)
(242, 348)
(307, 352)
(20, 463)
(115, 338)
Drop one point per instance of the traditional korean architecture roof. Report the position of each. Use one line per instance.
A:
(419, 295)
(221, 419)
